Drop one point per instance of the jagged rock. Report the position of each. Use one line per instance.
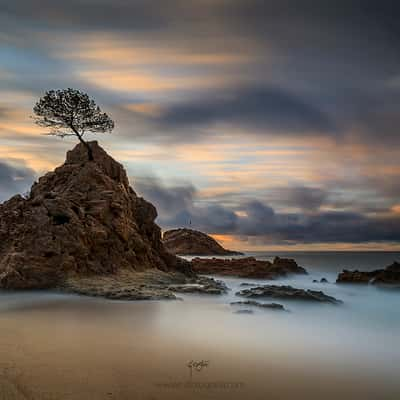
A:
(151, 284)
(247, 267)
(201, 285)
(190, 242)
(82, 219)
(288, 293)
(356, 276)
(390, 276)
(272, 306)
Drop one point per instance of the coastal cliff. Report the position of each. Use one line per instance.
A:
(82, 219)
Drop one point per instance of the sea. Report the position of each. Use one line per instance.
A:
(59, 346)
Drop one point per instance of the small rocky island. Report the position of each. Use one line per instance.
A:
(389, 276)
(248, 267)
(187, 242)
(83, 228)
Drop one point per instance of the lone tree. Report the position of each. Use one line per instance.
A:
(70, 112)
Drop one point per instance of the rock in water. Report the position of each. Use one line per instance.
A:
(287, 293)
(190, 242)
(389, 277)
(244, 311)
(247, 267)
(81, 219)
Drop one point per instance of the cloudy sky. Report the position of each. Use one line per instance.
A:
(270, 124)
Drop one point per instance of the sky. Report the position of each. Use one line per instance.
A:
(272, 125)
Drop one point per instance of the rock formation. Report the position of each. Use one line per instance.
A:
(247, 267)
(390, 276)
(190, 242)
(287, 293)
(82, 219)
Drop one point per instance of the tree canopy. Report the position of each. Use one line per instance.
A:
(70, 112)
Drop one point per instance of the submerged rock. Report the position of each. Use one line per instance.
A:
(244, 311)
(272, 306)
(248, 267)
(390, 276)
(322, 280)
(81, 220)
(288, 293)
(190, 242)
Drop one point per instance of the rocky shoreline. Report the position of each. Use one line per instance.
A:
(248, 267)
(151, 284)
(83, 229)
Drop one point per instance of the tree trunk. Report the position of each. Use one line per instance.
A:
(89, 150)
(86, 144)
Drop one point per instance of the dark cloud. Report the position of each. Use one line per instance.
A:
(302, 197)
(167, 200)
(256, 219)
(90, 14)
(14, 179)
(177, 207)
(265, 108)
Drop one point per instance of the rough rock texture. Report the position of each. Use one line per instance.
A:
(82, 219)
(390, 276)
(151, 284)
(190, 242)
(287, 293)
(247, 267)
(271, 306)
(202, 285)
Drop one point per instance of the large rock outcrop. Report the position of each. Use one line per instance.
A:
(82, 219)
(247, 267)
(390, 276)
(186, 242)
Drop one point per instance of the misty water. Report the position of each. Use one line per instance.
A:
(57, 346)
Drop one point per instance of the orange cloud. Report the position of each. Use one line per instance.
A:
(130, 80)
(396, 209)
(117, 51)
(149, 109)
(33, 157)
(244, 244)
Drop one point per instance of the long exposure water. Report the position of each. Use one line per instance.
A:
(57, 346)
